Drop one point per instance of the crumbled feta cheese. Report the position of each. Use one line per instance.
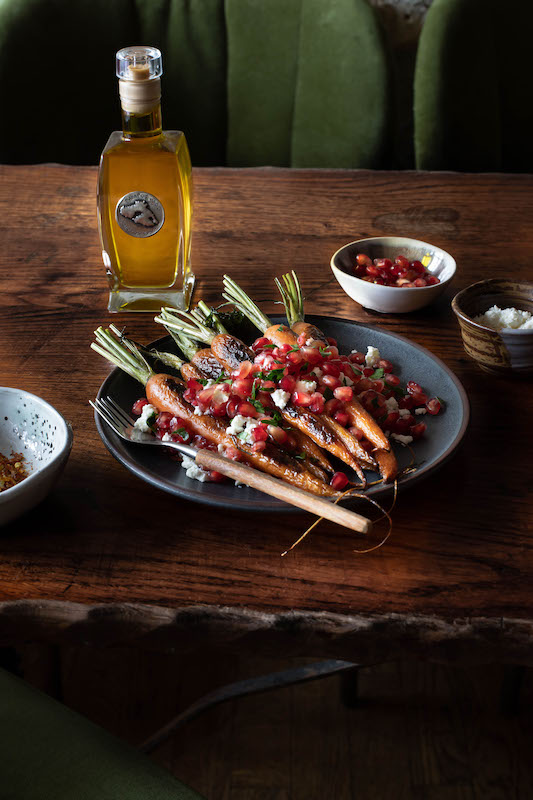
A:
(146, 417)
(345, 379)
(404, 412)
(236, 425)
(222, 449)
(306, 386)
(198, 411)
(192, 470)
(309, 342)
(500, 318)
(372, 356)
(421, 410)
(280, 398)
(392, 404)
(167, 438)
(399, 437)
(243, 427)
(317, 371)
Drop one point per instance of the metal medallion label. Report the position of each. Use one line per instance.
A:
(140, 214)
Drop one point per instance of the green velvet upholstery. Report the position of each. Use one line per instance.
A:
(307, 84)
(473, 78)
(50, 753)
(251, 82)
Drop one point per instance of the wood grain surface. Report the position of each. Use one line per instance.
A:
(462, 540)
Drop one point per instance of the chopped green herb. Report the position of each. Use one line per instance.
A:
(203, 381)
(300, 456)
(257, 405)
(268, 347)
(379, 373)
(294, 349)
(274, 419)
(183, 433)
(254, 390)
(151, 420)
(328, 394)
(324, 351)
(274, 374)
(441, 401)
(281, 328)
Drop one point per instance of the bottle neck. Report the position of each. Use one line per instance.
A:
(142, 125)
(141, 108)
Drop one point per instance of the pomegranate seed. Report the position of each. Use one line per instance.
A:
(418, 430)
(372, 270)
(278, 434)
(402, 261)
(431, 280)
(330, 381)
(385, 365)
(163, 421)
(139, 405)
(418, 267)
(247, 410)
(331, 341)
(339, 481)
(317, 403)
(260, 343)
(342, 418)
(378, 385)
(216, 477)
(420, 282)
(287, 383)
(413, 387)
(433, 406)
(301, 340)
(312, 355)
(368, 371)
(301, 399)
(357, 358)
(363, 260)
(232, 453)
(364, 384)
(260, 434)
(406, 402)
(390, 420)
(329, 368)
(232, 407)
(419, 399)
(242, 387)
(343, 393)
(258, 447)
(331, 406)
(401, 426)
(356, 433)
(295, 357)
(392, 380)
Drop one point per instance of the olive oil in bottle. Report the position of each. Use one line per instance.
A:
(145, 196)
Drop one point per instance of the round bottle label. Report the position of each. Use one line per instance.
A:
(140, 214)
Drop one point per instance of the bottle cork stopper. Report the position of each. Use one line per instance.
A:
(139, 72)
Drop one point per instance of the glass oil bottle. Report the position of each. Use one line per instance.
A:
(145, 196)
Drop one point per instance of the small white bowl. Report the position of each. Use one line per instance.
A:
(31, 426)
(392, 299)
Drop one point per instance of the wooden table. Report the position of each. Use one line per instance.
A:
(109, 559)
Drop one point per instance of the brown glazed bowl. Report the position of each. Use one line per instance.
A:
(503, 352)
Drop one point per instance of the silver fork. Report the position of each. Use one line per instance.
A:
(124, 426)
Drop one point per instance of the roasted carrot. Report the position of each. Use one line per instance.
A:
(165, 393)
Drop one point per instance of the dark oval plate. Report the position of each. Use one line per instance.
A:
(411, 362)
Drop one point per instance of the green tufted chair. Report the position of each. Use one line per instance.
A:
(472, 91)
(51, 753)
(251, 82)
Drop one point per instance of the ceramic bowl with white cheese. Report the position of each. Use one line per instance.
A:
(35, 429)
(392, 299)
(495, 321)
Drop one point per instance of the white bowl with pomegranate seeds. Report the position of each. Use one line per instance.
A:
(392, 274)
(35, 436)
